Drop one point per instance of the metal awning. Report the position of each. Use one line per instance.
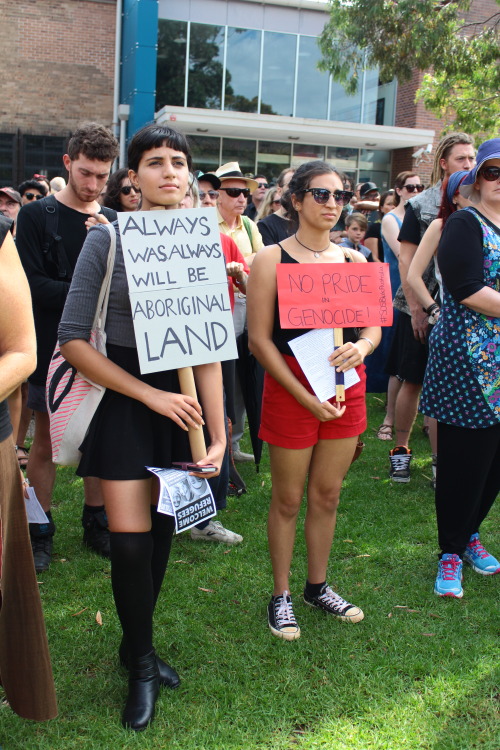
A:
(229, 124)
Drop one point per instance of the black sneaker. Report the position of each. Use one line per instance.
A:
(332, 603)
(400, 458)
(42, 552)
(281, 619)
(96, 532)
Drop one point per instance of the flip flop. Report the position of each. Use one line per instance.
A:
(22, 456)
(384, 432)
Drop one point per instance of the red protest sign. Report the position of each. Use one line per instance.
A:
(334, 295)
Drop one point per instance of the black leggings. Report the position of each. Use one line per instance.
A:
(468, 481)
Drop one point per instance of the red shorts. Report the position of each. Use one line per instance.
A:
(287, 424)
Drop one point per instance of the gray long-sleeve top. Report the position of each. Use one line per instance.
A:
(79, 310)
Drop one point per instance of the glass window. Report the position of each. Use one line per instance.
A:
(379, 100)
(344, 108)
(312, 85)
(206, 152)
(7, 157)
(240, 150)
(43, 155)
(278, 73)
(375, 166)
(171, 63)
(273, 158)
(303, 152)
(242, 70)
(345, 160)
(206, 53)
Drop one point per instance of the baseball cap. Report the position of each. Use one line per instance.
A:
(12, 194)
(367, 187)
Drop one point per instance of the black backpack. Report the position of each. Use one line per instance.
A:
(53, 246)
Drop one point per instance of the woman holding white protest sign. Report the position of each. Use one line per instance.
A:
(141, 421)
(307, 438)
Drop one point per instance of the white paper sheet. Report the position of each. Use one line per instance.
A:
(189, 499)
(311, 351)
(34, 510)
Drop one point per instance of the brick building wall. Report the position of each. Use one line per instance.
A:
(411, 115)
(57, 64)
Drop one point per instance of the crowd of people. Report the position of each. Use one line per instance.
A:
(442, 245)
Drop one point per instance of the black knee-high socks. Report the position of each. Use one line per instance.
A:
(138, 564)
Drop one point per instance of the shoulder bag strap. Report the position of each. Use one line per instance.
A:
(102, 302)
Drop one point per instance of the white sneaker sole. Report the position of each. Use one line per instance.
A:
(286, 635)
(479, 570)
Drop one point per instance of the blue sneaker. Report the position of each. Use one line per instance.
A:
(480, 559)
(449, 577)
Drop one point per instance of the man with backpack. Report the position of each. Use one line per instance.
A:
(50, 236)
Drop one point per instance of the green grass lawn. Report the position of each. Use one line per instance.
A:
(419, 673)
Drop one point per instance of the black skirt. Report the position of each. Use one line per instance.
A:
(125, 436)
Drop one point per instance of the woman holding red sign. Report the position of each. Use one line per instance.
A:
(307, 439)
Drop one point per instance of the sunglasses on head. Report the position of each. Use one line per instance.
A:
(127, 189)
(236, 192)
(211, 193)
(412, 188)
(30, 196)
(490, 173)
(322, 195)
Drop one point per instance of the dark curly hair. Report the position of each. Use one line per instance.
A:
(111, 198)
(153, 136)
(300, 182)
(93, 140)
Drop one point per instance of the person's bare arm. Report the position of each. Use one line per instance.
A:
(17, 331)
(418, 316)
(208, 379)
(485, 301)
(372, 244)
(423, 256)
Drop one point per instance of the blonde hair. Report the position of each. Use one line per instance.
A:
(266, 207)
(443, 151)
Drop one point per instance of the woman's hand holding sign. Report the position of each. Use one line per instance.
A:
(185, 411)
(349, 355)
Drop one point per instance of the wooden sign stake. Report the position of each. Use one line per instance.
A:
(338, 340)
(196, 437)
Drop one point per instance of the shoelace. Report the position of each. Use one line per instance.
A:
(284, 611)
(477, 549)
(400, 461)
(449, 569)
(330, 597)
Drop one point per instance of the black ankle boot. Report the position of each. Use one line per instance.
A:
(143, 687)
(168, 676)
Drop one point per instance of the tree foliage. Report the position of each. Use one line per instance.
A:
(462, 60)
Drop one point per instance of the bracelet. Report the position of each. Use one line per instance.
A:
(365, 338)
(432, 308)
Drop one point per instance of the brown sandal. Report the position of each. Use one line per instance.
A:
(384, 432)
(22, 456)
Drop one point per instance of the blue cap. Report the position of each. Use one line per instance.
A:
(486, 151)
(454, 182)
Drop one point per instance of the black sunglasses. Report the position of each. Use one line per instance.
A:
(30, 196)
(264, 185)
(322, 195)
(211, 193)
(490, 173)
(412, 188)
(127, 189)
(236, 192)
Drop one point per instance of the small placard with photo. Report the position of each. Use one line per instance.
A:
(188, 498)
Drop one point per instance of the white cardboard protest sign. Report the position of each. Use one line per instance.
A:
(178, 289)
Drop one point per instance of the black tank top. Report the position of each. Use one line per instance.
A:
(5, 426)
(281, 336)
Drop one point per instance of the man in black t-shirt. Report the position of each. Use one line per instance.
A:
(408, 355)
(49, 261)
